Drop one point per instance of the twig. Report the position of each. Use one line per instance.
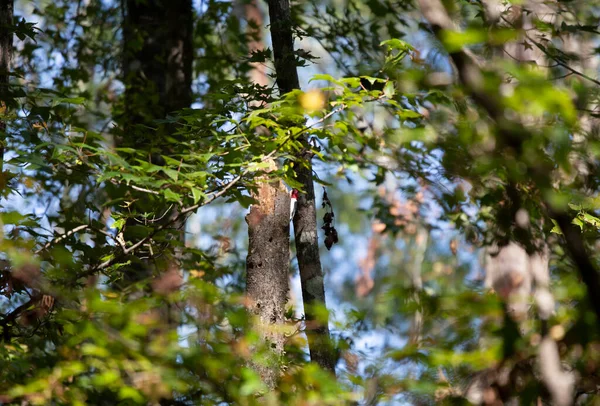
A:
(554, 58)
(112, 237)
(62, 237)
(139, 189)
(127, 251)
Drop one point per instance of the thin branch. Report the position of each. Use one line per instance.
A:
(554, 58)
(514, 58)
(574, 71)
(112, 237)
(561, 76)
(134, 187)
(141, 242)
(141, 189)
(62, 237)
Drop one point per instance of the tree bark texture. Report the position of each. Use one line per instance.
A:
(157, 70)
(254, 18)
(267, 263)
(267, 266)
(6, 50)
(305, 220)
(158, 54)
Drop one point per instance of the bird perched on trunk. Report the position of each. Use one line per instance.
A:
(293, 203)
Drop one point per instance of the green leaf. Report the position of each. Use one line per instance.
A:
(456, 40)
(408, 114)
(171, 173)
(171, 196)
(398, 44)
(556, 229)
(118, 224)
(94, 350)
(256, 166)
(251, 383)
(70, 100)
(127, 392)
(197, 194)
(328, 78)
(588, 218)
(389, 90)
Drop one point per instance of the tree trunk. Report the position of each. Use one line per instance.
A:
(157, 67)
(6, 44)
(267, 268)
(158, 57)
(305, 220)
(267, 263)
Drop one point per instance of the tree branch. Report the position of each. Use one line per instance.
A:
(62, 237)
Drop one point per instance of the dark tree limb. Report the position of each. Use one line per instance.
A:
(576, 248)
(283, 45)
(305, 220)
(6, 51)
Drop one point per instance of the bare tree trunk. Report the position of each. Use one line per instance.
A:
(305, 220)
(267, 263)
(6, 50)
(253, 14)
(158, 57)
(267, 268)
(415, 270)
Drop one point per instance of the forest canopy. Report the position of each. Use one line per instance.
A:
(307, 203)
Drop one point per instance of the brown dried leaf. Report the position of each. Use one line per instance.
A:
(167, 283)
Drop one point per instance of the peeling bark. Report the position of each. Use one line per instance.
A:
(267, 263)
(267, 266)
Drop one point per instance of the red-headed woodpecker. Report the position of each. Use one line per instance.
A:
(293, 203)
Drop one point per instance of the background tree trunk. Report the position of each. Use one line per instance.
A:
(6, 42)
(158, 57)
(305, 221)
(157, 67)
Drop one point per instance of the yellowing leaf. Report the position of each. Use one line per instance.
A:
(312, 100)
(196, 274)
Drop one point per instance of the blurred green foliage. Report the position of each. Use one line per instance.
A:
(418, 174)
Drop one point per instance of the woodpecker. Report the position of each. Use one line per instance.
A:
(293, 203)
